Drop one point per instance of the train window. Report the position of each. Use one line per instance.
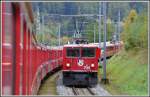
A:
(73, 52)
(88, 52)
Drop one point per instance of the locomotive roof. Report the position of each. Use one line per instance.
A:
(93, 44)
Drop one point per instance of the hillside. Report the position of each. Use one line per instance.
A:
(128, 72)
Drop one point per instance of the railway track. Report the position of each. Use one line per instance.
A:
(82, 91)
(53, 86)
(90, 91)
(74, 91)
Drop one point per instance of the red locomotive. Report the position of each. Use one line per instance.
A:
(24, 62)
(80, 64)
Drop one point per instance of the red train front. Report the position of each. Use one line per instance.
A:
(80, 64)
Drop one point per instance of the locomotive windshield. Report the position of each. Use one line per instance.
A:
(88, 52)
(73, 52)
(85, 52)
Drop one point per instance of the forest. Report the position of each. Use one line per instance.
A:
(49, 19)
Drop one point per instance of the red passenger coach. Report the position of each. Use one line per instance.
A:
(15, 35)
(80, 64)
(24, 62)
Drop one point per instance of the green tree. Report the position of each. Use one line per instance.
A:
(135, 32)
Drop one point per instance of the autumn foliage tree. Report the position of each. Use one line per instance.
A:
(135, 30)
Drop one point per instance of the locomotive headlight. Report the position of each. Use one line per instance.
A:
(68, 65)
(92, 65)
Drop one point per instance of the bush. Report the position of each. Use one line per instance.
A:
(135, 32)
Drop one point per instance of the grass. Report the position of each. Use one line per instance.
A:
(128, 73)
(48, 87)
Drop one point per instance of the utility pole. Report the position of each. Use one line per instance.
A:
(43, 29)
(115, 34)
(99, 24)
(59, 34)
(99, 29)
(38, 21)
(94, 33)
(104, 79)
(77, 35)
(119, 27)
